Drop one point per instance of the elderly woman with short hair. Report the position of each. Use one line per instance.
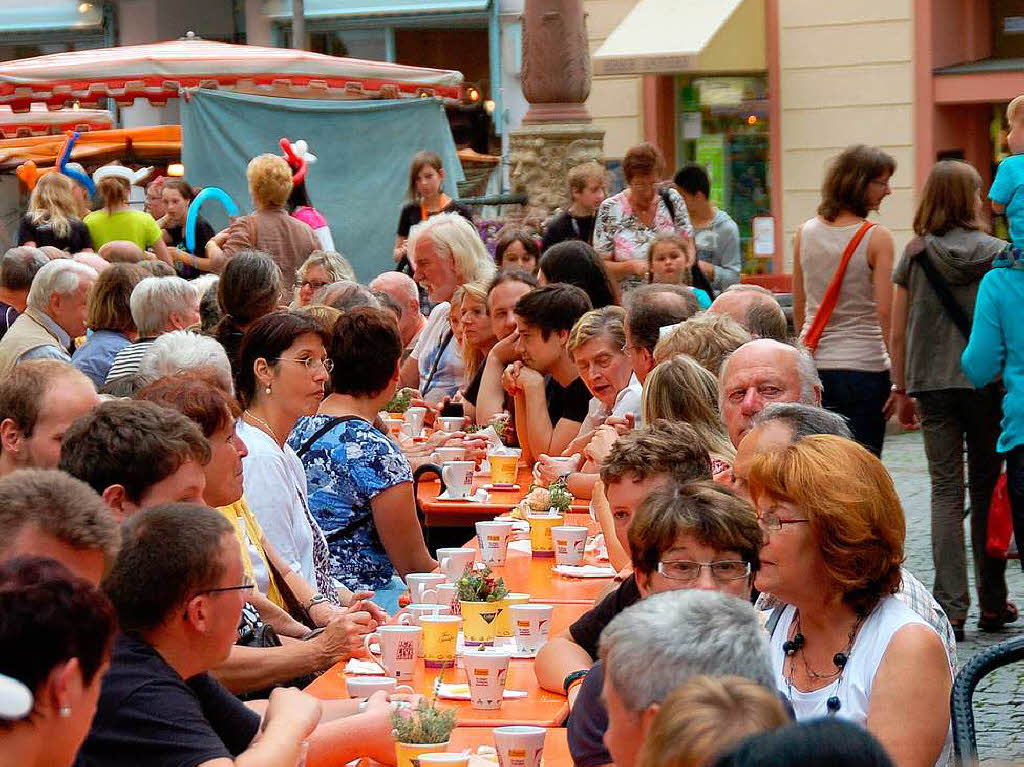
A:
(628, 221)
(319, 270)
(159, 305)
(182, 351)
(109, 319)
(446, 252)
(269, 227)
(842, 644)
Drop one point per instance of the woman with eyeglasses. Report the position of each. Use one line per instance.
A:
(628, 221)
(841, 643)
(360, 483)
(693, 536)
(852, 353)
(283, 368)
(321, 268)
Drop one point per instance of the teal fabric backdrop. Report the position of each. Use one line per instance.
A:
(363, 151)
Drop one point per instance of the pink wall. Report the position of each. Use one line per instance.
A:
(962, 31)
(965, 127)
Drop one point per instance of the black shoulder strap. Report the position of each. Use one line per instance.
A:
(331, 423)
(447, 339)
(774, 618)
(667, 199)
(953, 309)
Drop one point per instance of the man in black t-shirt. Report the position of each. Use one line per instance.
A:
(178, 587)
(551, 398)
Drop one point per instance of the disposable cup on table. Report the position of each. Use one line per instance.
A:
(519, 746)
(414, 417)
(452, 423)
(541, 544)
(399, 646)
(422, 587)
(365, 686)
(502, 625)
(440, 639)
(458, 478)
(569, 542)
(504, 466)
(394, 425)
(493, 537)
(414, 613)
(531, 625)
(486, 671)
(443, 454)
(454, 561)
(445, 595)
(479, 621)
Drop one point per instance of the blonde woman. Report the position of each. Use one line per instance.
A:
(116, 221)
(321, 268)
(681, 390)
(706, 716)
(708, 338)
(52, 217)
(269, 227)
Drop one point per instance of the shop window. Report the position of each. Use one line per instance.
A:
(351, 43)
(722, 123)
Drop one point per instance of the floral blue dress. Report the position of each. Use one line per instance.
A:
(345, 469)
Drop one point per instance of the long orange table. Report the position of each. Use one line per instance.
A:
(540, 707)
(466, 513)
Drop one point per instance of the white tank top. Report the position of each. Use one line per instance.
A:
(852, 339)
(854, 692)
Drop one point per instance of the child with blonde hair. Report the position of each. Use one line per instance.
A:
(1005, 192)
(669, 261)
(52, 217)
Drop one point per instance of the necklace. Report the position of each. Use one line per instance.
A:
(261, 423)
(794, 646)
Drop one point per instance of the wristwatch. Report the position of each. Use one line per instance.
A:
(573, 677)
(898, 389)
(316, 599)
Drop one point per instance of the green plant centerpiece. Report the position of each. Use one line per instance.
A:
(421, 730)
(554, 499)
(400, 402)
(481, 598)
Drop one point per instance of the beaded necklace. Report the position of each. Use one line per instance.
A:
(794, 646)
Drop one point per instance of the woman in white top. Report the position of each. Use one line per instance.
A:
(283, 367)
(843, 645)
(852, 354)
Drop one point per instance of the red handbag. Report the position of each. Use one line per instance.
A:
(999, 536)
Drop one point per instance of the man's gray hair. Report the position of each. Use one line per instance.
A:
(804, 420)
(453, 235)
(654, 646)
(203, 283)
(806, 370)
(155, 299)
(61, 277)
(402, 283)
(181, 351)
(346, 295)
(19, 267)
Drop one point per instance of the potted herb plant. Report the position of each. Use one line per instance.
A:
(399, 403)
(421, 730)
(481, 598)
(544, 508)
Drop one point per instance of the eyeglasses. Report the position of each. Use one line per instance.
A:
(310, 363)
(245, 586)
(316, 285)
(723, 571)
(770, 521)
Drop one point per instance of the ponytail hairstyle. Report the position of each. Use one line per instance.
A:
(113, 190)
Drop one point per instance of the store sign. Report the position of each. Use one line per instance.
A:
(640, 65)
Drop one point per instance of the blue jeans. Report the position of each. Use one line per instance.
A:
(859, 397)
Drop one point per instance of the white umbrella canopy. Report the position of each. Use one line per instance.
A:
(41, 121)
(161, 71)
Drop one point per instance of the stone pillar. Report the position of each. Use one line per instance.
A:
(557, 133)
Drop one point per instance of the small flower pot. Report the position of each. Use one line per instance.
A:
(480, 621)
(406, 753)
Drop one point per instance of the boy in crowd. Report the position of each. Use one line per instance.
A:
(714, 232)
(1005, 192)
(586, 188)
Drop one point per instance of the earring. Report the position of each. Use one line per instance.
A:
(267, 390)
(65, 711)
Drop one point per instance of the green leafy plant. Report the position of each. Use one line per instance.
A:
(424, 724)
(554, 496)
(400, 402)
(561, 498)
(480, 586)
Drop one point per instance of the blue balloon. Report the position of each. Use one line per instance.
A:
(210, 192)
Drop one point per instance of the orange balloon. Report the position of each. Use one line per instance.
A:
(28, 173)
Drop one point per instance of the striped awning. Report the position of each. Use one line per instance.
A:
(160, 71)
(40, 121)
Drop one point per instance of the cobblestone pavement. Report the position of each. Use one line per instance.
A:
(999, 699)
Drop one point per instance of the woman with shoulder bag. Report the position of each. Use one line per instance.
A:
(937, 282)
(842, 294)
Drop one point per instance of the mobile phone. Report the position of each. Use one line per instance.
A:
(452, 410)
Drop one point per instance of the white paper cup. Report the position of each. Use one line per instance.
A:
(454, 561)
(365, 686)
(569, 542)
(457, 477)
(531, 625)
(411, 615)
(399, 647)
(493, 537)
(452, 423)
(413, 418)
(563, 463)
(445, 595)
(486, 671)
(444, 454)
(422, 587)
(519, 746)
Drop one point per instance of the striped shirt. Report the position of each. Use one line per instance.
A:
(126, 363)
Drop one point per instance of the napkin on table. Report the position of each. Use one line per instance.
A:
(357, 666)
(456, 691)
(584, 571)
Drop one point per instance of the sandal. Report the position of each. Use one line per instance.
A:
(995, 621)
